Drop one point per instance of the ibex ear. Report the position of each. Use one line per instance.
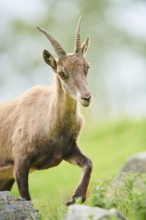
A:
(85, 45)
(49, 59)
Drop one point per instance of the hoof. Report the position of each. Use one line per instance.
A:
(71, 202)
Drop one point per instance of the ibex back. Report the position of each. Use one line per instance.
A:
(40, 128)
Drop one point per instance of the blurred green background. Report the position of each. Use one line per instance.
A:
(115, 123)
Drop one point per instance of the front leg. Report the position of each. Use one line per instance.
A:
(76, 157)
(21, 171)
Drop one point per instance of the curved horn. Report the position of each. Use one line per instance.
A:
(77, 39)
(57, 47)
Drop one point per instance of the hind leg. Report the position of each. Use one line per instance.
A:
(6, 184)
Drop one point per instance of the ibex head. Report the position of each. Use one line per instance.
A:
(71, 69)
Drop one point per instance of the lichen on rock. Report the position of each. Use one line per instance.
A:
(13, 208)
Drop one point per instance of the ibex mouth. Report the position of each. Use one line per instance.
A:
(85, 102)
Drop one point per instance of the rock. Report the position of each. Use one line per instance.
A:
(135, 164)
(83, 212)
(12, 208)
(130, 181)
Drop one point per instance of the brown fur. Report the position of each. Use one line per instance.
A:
(40, 128)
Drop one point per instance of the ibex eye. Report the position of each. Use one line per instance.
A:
(62, 75)
(86, 70)
(87, 67)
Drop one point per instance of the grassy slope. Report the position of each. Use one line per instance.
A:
(107, 145)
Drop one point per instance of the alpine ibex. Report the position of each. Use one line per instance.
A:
(40, 128)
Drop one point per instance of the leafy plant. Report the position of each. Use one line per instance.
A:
(128, 195)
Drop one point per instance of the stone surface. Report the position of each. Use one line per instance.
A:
(83, 212)
(12, 208)
(135, 164)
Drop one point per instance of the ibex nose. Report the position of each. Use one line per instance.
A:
(87, 98)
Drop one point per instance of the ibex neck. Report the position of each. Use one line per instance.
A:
(65, 103)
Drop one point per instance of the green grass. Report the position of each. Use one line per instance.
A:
(127, 195)
(108, 146)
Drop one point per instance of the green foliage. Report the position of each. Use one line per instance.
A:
(139, 201)
(51, 212)
(79, 200)
(98, 196)
(113, 218)
(128, 195)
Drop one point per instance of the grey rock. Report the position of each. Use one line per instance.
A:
(83, 212)
(133, 175)
(135, 164)
(13, 208)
